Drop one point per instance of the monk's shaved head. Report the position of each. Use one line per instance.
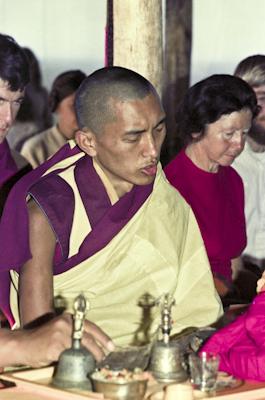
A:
(95, 98)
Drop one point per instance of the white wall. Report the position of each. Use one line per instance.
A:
(64, 34)
(225, 32)
(67, 34)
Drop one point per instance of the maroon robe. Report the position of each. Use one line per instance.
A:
(8, 166)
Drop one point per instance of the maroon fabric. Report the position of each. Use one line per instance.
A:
(14, 240)
(8, 167)
(241, 345)
(217, 200)
(14, 243)
(56, 199)
(106, 220)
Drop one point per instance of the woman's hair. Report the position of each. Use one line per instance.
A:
(206, 101)
(64, 85)
(252, 70)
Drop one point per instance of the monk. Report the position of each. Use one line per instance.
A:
(41, 345)
(14, 76)
(102, 219)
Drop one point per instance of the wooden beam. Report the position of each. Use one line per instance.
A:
(178, 40)
(138, 38)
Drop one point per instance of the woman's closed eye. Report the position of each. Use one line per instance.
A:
(228, 135)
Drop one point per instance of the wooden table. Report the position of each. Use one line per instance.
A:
(249, 390)
(34, 385)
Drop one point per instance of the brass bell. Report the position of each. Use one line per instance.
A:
(166, 363)
(77, 363)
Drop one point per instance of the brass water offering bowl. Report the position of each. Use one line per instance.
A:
(119, 385)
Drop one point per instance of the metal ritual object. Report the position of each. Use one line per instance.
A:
(142, 334)
(77, 363)
(166, 362)
(123, 390)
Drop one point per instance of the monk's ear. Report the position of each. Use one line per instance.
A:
(86, 140)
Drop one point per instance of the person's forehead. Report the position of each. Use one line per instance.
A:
(233, 119)
(259, 89)
(69, 99)
(6, 92)
(4, 84)
(150, 100)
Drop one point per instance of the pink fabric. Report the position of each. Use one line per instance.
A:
(217, 200)
(241, 344)
(8, 167)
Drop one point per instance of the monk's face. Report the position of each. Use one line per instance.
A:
(128, 149)
(9, 105)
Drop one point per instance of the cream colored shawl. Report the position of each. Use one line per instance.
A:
(160, 250)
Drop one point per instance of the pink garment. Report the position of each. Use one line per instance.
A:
(241, 344)
(8, 167)
(217, 200)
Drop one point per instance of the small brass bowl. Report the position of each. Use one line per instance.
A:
(130, 390)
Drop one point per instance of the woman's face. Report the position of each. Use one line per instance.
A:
(224, 139)
(66, 117)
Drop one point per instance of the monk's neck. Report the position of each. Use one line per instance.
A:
(121, 190)
(115, 190)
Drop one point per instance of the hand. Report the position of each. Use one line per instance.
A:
(220, 286)
(237, 266)
(96, 341)
(261, 283)
(43, 345)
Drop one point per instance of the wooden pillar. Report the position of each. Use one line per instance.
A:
(109, 35)
(178, 36)
(137, 37)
